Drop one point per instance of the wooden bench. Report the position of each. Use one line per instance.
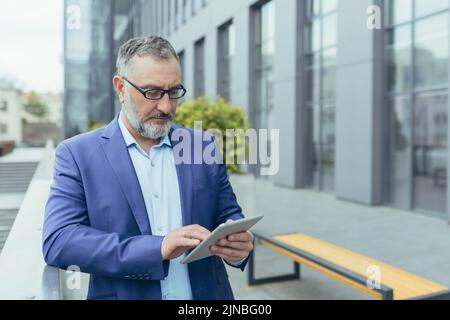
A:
(347, 267)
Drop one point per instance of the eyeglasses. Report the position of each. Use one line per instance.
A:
(157, 94)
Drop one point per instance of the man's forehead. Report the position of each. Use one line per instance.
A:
(151, 62)
(155, 71)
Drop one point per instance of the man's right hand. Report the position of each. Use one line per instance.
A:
(181, 239)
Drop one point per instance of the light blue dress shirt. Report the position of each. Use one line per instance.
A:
(158, 179)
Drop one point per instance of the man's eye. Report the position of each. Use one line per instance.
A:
(154, 93)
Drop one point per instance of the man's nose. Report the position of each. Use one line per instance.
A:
(165, 104)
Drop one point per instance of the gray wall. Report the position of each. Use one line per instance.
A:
(358, 106)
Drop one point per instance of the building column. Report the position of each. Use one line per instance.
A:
(359, 108)
(240, 65)
(287, 113)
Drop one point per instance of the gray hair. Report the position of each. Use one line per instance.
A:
(153, 46)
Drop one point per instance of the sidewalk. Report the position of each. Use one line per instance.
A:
(416, 243)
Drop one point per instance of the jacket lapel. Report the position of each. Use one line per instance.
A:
(117, 154)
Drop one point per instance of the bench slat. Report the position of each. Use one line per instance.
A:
(405, 285)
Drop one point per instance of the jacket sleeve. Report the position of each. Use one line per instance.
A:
(69, 240)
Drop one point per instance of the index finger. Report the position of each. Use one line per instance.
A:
(198, 228)
(240, 236)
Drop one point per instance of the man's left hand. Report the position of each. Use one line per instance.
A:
(235, 247)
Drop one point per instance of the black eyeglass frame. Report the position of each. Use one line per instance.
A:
(162, 92)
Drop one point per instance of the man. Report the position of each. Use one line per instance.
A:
(124, 210)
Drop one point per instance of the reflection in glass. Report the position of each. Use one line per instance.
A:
(329, 30)
(426, 7)
(321, 93)
(313, 7)
(263, 59)
(225, 55)
(313, 73)
(417, 75)
(399, 168)
(329, 74)
(328, 143)
(399, 58)
(328, 6)
(431, 51)
(430, 152)
(398, 11)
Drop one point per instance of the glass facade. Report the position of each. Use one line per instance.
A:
(77, 50)
(417, 44)
(89, 59)
(262, 58)
(320, 66)
(101, 95)
(225, 52)
(263, 52)
(415, 87)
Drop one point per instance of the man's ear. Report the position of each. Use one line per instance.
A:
(118, 87)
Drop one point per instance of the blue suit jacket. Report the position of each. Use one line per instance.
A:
(96, 219)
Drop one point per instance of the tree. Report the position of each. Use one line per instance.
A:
(36, 106)
(219, 115)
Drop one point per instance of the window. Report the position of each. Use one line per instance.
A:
(169, 16)
(185, 8)
(3, 128)
(182, 66)
(193, 7)
(225, 55)
(163, 22)
(416, 95)
(3, 105)
(262, 63)
(320, 65)
(263, 51)
(199, 68)
(176, 14)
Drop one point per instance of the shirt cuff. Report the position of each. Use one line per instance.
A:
(236, 263)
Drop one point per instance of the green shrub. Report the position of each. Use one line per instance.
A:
(92, 125)
(216, 115)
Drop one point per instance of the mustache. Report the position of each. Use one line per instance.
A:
(159, 115)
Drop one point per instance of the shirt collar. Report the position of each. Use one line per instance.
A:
(130, 140)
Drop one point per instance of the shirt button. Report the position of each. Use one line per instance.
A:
(152, 164)
(156, 195)
(160, 228)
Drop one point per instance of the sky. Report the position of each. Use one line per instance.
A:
(31, 44)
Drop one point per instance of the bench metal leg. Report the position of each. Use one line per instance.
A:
(387, 294)
(252, 281)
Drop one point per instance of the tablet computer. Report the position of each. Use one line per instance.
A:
(225, 229)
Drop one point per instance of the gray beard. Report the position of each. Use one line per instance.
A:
(145, 129)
